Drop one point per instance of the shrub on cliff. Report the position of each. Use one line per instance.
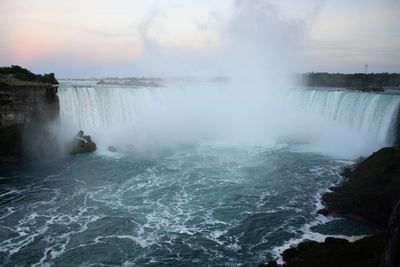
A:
(356, 80)
(25, 75)
(47, 78)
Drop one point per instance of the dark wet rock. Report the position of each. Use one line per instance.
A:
(391, 256)
(359, 160)
(335, 252)
(112, 149)
(82, 144)
(271, 263)
(323, 211)
(11, 148)
(371, 190)
(335, 241)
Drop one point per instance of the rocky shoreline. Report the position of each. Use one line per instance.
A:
(369, 193)
(371, 189)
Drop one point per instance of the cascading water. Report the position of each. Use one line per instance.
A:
(369, 114)
(174, 114)
(356, 123)
(210, 203)
(343, 123)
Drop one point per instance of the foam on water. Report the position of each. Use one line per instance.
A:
(236, 186)
(205, 205)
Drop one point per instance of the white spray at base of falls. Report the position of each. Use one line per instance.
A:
(175, 114)
(342, 123)
(369, 114)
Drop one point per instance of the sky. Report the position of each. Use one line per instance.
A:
(97, 38)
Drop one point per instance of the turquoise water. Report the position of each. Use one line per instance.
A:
(206, 175)
(205, 205)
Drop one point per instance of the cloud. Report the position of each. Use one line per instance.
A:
(229, 37)
(255, 38)
(259, 35)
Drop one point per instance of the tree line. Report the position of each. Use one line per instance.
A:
(357, 80)
(27, 76)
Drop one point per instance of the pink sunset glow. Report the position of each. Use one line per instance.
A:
(81, 38)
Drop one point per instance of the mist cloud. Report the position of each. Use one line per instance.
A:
(255, 37)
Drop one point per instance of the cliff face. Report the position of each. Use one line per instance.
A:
(25, 114)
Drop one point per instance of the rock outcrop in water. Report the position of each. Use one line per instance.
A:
(82, 144)
(370, 193)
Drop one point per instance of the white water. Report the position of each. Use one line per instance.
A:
(342, 123)
(235, 206)
(369, 114)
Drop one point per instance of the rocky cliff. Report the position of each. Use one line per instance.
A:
(371, 189)
(26, 111)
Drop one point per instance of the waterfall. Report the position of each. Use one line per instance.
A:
(88, 107)
(369, 114)
(189, 113)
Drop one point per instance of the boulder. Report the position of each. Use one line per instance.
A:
(82, 144)
(323, 211)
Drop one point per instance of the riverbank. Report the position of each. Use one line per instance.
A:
(369, 193)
